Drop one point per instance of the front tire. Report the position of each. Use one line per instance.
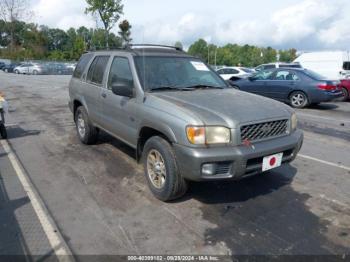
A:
(3, 131)
(298, 99)
(161, 171)
(16, 72)
(87, 133)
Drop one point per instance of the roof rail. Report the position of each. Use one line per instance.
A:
(151, 45)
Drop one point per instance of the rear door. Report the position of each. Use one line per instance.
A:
(119, 113)
(93, 86)
(282, 84)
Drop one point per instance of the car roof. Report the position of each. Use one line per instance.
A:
(146, 51)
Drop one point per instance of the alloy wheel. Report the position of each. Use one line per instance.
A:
(81, 125)
(156, 169)
(298, 100)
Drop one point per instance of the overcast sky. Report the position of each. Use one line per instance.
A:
(303, 24)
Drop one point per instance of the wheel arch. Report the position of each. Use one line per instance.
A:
(146, 132)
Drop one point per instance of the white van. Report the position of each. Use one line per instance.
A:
(334, 65)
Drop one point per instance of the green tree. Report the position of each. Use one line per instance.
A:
(109, 12)
(199, 49)
(125, 32)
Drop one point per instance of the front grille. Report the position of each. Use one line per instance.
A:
(264, 130)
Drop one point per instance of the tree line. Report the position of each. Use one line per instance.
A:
(235, 55)
(20, 40)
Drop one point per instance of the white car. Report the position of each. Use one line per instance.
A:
(227, 73)
(29, 68)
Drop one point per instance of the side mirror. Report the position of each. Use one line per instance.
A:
(251, 78)
(125, 89)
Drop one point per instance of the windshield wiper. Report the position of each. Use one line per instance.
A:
(171, 88)
(204, 87)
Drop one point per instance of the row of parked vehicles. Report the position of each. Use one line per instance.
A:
(32, 68)
(290, 83)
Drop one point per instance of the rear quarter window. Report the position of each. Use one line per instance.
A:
(83, 62)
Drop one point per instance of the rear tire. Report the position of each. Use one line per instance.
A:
(346, 95)
(298, 99)
(3, 131)
(35, 72)
(16, 72)
(88, 134)
(161, 171)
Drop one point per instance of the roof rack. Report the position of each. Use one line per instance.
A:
(151, 45)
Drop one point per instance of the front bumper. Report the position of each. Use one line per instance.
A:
(238, 161)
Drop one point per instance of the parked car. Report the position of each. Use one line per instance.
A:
(333, 65)
(234, 73)
(57, 69)
(29, 68)
(2, 65)
(277, 65)
(298, 87)
(181, 118)
(345, 87)
(10, 67)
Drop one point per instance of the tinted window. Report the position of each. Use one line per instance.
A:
(120, 73)
(346, 66)
(231, 71)
(286, 76)
(263, 75)
(221, 71)
(97, 69)
(84, 60)
(269, 67)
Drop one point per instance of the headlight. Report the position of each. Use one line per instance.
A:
(294, 122)
(208, 135)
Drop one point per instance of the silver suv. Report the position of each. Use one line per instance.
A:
(184, 122)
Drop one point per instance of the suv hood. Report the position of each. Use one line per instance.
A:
(227, 107)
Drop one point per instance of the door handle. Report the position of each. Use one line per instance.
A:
(103, 95)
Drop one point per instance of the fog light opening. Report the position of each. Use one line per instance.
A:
(209, 169)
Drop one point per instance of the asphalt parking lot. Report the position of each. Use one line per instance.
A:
(99, 200)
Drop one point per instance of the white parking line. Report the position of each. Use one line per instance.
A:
(56, 241)
(325, 162)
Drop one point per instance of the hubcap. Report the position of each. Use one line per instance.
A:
(81, 125)
(298, 100)
(156, 169)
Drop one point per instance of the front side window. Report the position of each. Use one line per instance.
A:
(97, 70)
(175, 72)
(231, 71)
(120, 73)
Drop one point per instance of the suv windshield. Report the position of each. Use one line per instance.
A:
(158, 73)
